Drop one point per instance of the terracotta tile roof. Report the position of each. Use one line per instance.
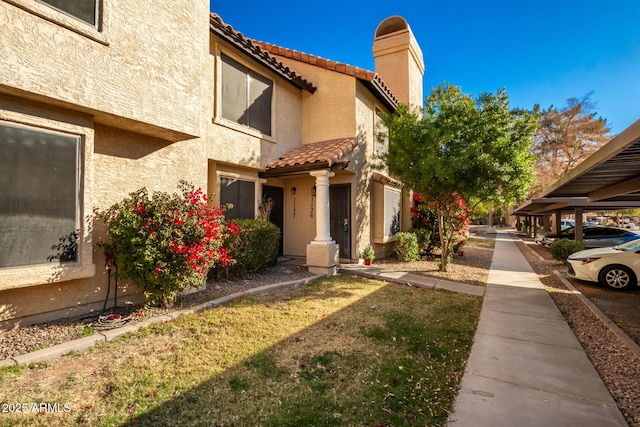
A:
(371, 79)
(250, 48)
(387, 180)
(324, 154)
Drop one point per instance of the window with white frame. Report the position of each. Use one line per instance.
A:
(39, 196)
(84, 10)
(391, 211)
(246, 96)
(386, 204)
(239, 193)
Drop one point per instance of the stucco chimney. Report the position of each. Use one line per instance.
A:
(398, 60)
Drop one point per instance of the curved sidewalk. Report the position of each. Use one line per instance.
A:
(526, 367)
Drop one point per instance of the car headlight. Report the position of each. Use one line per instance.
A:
(589, 260)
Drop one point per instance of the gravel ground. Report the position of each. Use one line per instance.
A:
(617, 365)
(30, 338)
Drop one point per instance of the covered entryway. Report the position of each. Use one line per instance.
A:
(317, 211)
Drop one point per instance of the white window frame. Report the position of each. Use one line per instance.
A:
(379, 204)
(31, 275)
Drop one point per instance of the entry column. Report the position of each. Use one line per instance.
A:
(322, 252)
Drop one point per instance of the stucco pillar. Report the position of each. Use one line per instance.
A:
(323, 225)
(322, 252)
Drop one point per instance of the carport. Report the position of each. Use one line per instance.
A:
(608, 180)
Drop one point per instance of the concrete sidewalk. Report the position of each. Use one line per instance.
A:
(526, 367)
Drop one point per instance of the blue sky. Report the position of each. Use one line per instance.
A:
(543, 52)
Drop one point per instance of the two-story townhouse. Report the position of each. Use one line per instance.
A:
(96, 103)
(97, 99)
(317, 159)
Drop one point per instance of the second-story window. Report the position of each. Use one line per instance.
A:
(85, 10)
(246, 96)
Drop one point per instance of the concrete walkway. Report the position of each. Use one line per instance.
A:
(526, 367)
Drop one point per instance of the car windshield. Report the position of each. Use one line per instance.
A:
(631, 245)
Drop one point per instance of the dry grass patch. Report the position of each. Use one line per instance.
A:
(341, 351)
(471, 268)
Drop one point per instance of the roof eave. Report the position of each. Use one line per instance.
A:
(254, 52)
(382, 95)
(303, 168)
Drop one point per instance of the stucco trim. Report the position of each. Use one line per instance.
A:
(50, 14)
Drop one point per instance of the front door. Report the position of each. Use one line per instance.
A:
(277, 213)
(340, 217)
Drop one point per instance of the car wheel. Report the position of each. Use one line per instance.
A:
(618, 277)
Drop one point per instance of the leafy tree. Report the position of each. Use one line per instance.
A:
(462, 149)
(565, 137)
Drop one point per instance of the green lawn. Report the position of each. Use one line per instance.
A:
(340, 351)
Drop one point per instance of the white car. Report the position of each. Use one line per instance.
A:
(617, 267)
(566, 223)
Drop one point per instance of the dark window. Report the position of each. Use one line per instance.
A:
(38, 196)
(241, 194)
(246, 96)
(85, 10)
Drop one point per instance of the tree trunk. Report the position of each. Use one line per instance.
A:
(444, 242)
(168, 301)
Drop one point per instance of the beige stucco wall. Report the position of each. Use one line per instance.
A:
(399, 62)
(117, 162)
(332, 103)
(142, 69)
(300, 229)
(231, 143)
(137, 94)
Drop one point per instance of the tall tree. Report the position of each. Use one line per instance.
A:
(566, 137)
(477, 150)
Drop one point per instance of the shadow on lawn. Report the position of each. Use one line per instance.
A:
(385, 358)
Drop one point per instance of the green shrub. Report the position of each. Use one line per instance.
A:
(406, 246)
(562, 248)
(165, 242)
(424, 239)
(254, 247)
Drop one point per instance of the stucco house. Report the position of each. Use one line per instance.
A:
(101, 98)
(324, 149)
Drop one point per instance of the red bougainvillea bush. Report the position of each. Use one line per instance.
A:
(166, 242)
(456, 218)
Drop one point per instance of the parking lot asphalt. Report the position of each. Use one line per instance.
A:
(622, 307)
